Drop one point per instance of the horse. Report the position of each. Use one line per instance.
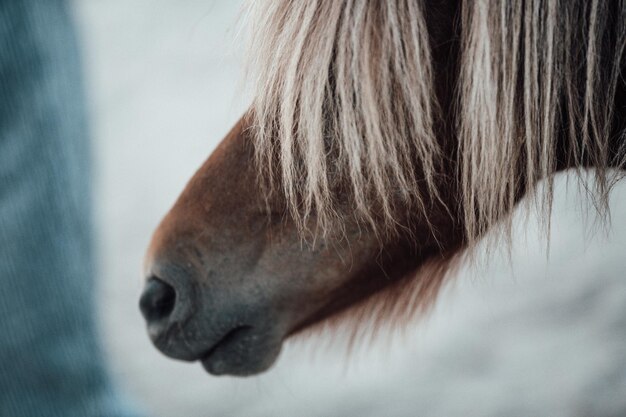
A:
(384, 141)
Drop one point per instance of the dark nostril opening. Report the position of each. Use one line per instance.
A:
(158, 300)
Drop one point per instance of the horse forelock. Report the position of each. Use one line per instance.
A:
(345, 99)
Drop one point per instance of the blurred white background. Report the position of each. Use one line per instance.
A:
(538, 338)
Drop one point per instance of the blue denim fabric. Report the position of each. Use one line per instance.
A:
(50, 361)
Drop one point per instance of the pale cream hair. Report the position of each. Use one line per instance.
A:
(344, 104)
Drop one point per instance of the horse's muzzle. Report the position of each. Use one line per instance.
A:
(227, 335)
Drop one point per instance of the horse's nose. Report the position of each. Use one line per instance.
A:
(157, 300)
(166, 305)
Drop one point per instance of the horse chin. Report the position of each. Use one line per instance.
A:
(243, 351)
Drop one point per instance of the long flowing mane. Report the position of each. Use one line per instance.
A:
(345, 104)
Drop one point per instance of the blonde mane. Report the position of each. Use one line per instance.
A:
(345, 104)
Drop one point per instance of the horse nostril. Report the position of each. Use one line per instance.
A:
(158, 300)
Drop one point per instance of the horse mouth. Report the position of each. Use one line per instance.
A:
(240, 352)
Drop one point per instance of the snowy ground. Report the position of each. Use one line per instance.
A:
(538, 339)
